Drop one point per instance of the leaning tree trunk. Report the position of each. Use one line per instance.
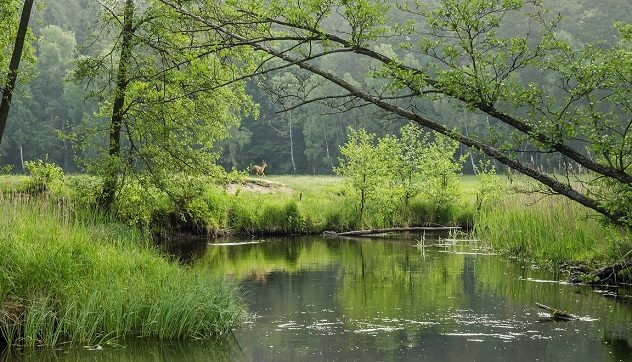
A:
(14, 65)
(114, 150)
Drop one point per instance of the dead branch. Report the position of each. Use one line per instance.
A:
(392, 230)
(556, 313)
(604, 275)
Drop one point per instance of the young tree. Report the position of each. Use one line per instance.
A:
(412, 161)
(503, 59)
(170, 98)
(384, 173)
(362, 168)
(441, 172)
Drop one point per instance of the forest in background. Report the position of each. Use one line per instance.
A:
(49, 112)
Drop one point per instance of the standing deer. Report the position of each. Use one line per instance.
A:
(258, 170)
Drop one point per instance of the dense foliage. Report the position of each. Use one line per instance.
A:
(383, 175)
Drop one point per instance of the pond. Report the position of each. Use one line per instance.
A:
(387, 299)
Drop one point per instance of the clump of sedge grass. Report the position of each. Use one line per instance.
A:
(79, 281)
(549, 230)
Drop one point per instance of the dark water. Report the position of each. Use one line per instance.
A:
(317, 299)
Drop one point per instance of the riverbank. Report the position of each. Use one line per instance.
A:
(553, 232)
(71, 275)
(547, 231)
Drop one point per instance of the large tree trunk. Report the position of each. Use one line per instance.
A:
(114, 151)
(14, 65)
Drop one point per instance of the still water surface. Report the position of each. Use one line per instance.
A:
(324, 299)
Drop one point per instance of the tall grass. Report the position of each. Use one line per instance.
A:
(287, 208)
(323, 205)
(80, 281)
(549, 230)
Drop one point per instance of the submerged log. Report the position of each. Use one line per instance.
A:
(557, 314)
(391, 230)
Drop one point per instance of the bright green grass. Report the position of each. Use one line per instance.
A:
(323, 202)
(317, 185)
(550, 230)
(89, 281)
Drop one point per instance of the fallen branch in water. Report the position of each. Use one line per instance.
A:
(557, 314)
(391, 230)
(603, 275)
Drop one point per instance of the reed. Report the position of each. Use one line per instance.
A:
(549, 230)
(77, 281)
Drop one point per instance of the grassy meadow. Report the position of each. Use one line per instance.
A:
(314, 204)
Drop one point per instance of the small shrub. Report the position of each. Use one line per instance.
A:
(295, 221)
(136, 205)
(6, 169)
(44, 176)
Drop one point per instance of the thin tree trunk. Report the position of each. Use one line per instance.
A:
(21, 156)
(64, 155)
(231, 152)
(114, 150)
(14, 65)
(328, 156)
(292, 145)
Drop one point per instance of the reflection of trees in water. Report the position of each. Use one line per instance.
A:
(184, 249)
(397, 282)
(389, 280)
(620, 347)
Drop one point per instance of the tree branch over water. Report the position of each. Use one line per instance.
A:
(468, 62)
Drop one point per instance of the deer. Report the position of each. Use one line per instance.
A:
(258, 170)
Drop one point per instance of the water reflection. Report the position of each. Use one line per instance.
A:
(220, 349)
(371, 299)
(330, 299)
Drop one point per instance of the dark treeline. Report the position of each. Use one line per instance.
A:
(48, 112)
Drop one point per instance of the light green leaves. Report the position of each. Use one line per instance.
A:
(384, 174)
